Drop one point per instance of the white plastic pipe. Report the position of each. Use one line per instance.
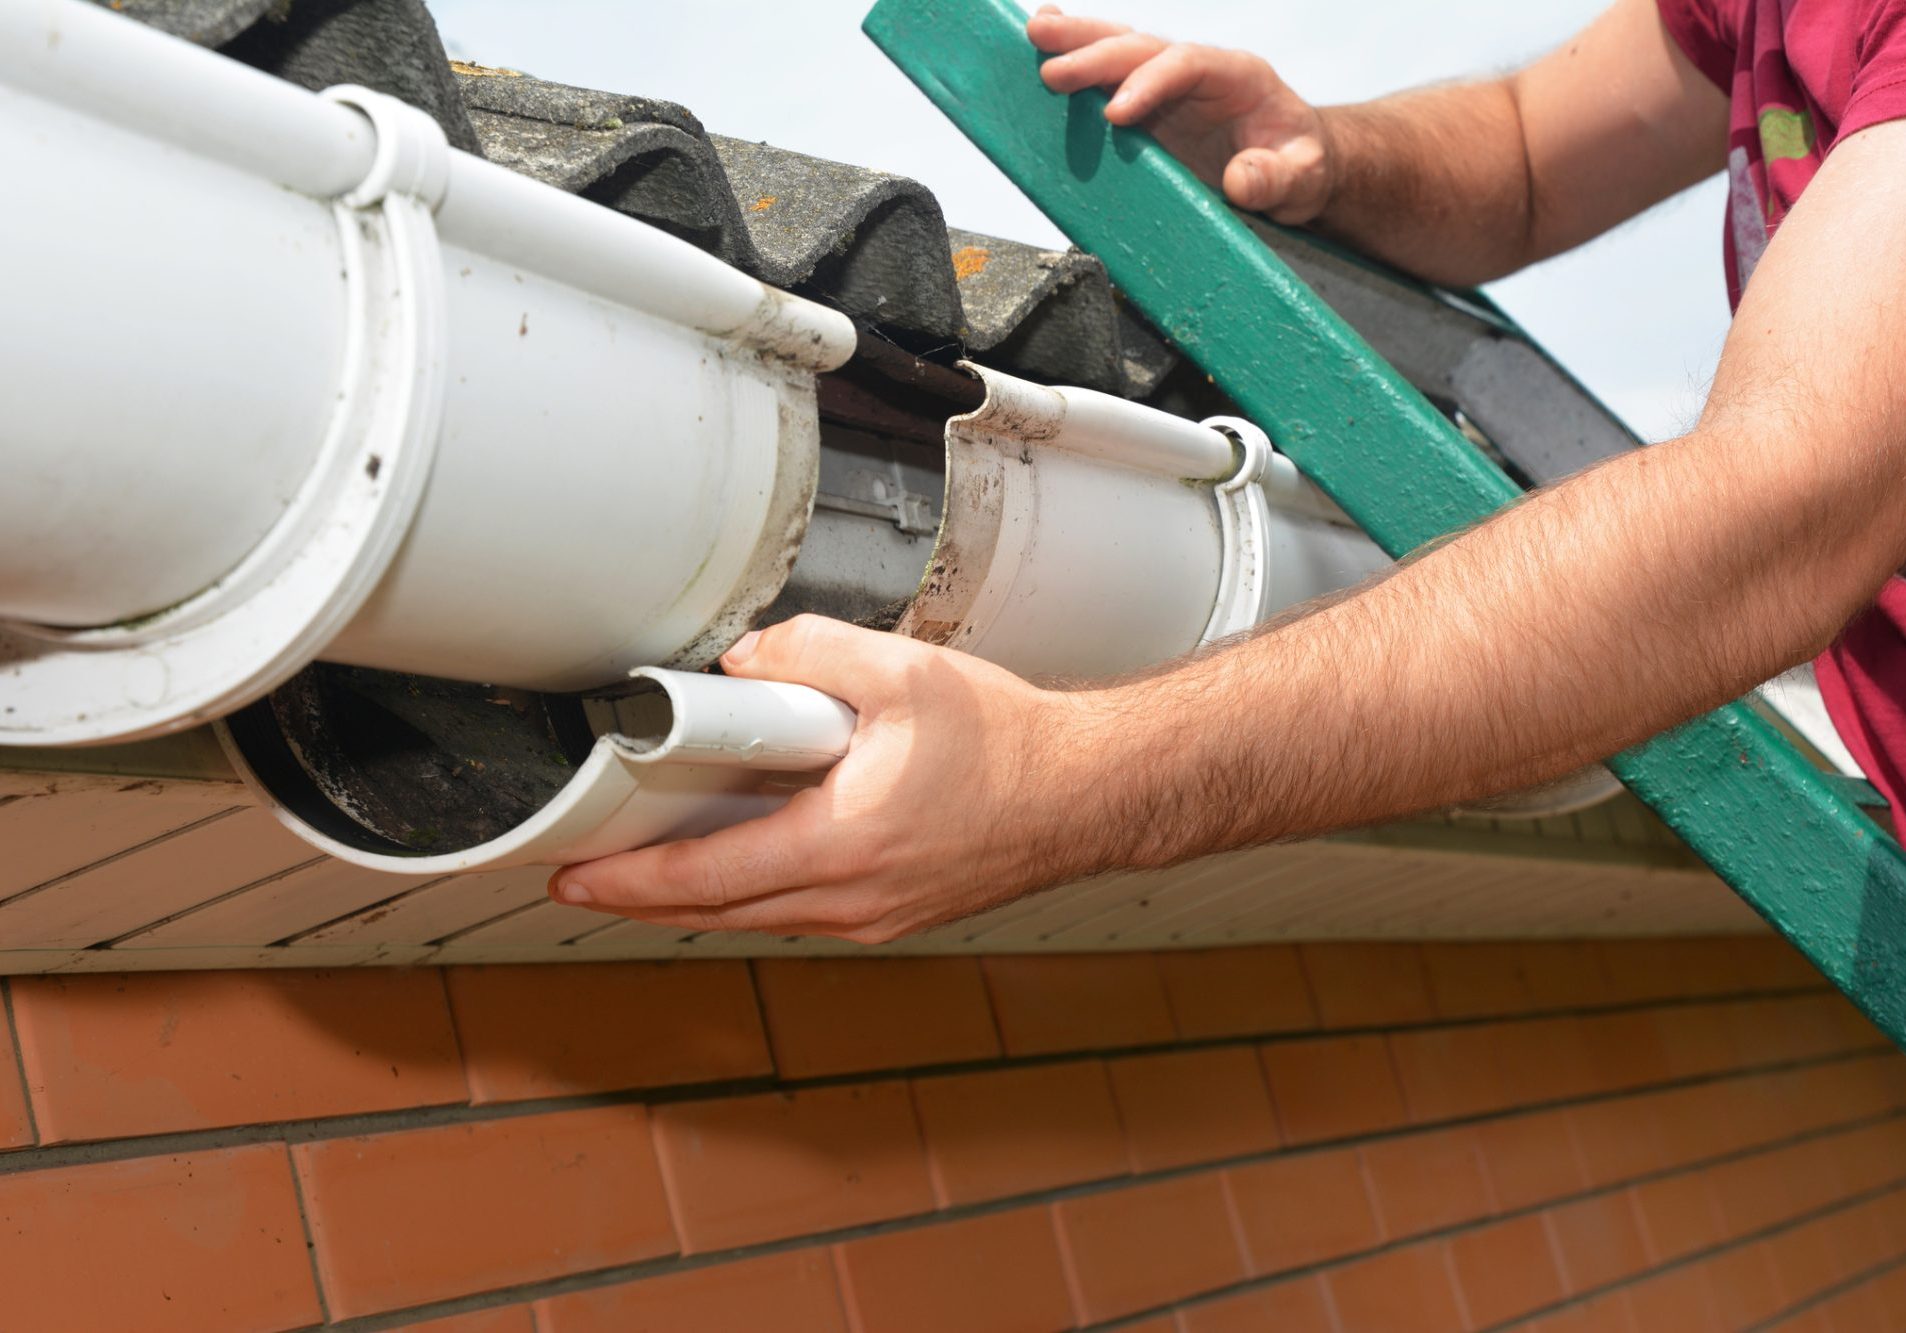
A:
(180, 97)
(704, 719)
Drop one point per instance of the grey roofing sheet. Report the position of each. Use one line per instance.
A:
(873, 244)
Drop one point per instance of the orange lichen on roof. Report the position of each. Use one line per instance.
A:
(484, 71)
(765, 201)
(968, 260)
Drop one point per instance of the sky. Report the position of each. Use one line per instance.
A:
(1637, 315)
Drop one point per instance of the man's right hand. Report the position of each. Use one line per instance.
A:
(1457, 184)
(1224, 114)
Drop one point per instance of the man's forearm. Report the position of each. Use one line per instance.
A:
(1578, 623)
(1434, 181)
(1466, 183)
(1589, 616)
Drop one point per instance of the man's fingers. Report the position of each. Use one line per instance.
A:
(833, 912)
(1173, 73)
(858, 666)
(1057, 33)
(780, 851)
(1106, 61)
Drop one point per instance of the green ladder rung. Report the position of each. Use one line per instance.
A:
(1777, 830)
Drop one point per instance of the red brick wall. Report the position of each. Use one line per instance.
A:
(1629, 1136)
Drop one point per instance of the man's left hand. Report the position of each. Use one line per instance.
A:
(954, 796)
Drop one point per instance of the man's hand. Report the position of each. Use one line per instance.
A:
(1224, 114)
(1457, 184)
(963, 787)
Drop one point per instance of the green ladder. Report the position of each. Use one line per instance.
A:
(1786, 837)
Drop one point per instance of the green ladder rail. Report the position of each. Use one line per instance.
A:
(1782, 834)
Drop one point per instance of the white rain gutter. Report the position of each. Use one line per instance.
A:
(288, 375)
(337, 390)
(1082, 534)
(1086, 535)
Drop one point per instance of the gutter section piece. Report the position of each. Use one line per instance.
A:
(1086, 535)
(117, 501)
(691, 753)
(322, 498)
(373, 400)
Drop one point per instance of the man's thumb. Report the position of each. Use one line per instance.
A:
(1255, 180)
(834, 657)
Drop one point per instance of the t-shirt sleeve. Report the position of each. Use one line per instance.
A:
(1704, 36)
(1879, 81)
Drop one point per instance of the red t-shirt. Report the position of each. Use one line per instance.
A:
(1801, 75)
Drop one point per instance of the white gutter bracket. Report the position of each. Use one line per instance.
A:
(1244, 528)
(410, 158)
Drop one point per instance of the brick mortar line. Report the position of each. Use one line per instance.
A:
(1302, 959)
(456, 1035)
(352, 1124)
(761, 1013)
(359, 1123)
(1794, 1223)
(1450, 1275)
(1670, 1002)
(999, 1028)
(1825, 1294)
(19, 1064)
(851, 1320)
(1893, 1186)
(669, 1264)
(310, 1239)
